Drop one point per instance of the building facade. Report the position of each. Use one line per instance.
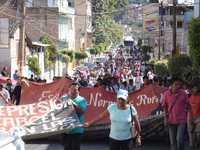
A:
(83, 24)
(55, 18)
(158, 31)
(9, 38)
(184, 15)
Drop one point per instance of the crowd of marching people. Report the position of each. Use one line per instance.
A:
(123, 69)
(126, 71)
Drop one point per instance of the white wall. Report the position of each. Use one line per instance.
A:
(4, 43)
(14, 45)
(197, 8)
(71, 33)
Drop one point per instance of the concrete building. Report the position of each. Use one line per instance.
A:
(184, 15)
(157, 33)
(151, 24)
(9, 38)
(132, 20)
(197, 8)
(83, 24)
(54, 18)
(43, 17)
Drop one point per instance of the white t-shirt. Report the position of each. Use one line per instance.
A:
(150, 75)
(120, 122)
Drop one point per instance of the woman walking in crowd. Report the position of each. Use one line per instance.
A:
(123, 117)
(175, 102)
(194, 117)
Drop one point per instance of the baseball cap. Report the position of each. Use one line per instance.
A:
(123, 94)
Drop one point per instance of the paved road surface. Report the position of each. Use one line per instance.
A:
(154, 145)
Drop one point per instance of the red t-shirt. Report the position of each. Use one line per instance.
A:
(195, 105)
(176, 111)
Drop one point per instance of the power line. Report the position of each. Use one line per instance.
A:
(101, 13)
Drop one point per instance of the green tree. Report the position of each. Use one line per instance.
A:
(146, 50)
(191, 75)
(194, 42)
(139, 43)
(106, 30)
(50, 51)
(68, 54)
(34, 65)
(80, 55)
(161, 70)
(177, 65)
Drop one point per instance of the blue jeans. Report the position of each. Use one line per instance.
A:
(176, 136)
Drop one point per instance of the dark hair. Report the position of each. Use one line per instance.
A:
(75, 84)
(176, 79)
(1, 86)
(196, 85)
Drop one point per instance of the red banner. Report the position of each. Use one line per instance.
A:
(146, 100)
(35, 92)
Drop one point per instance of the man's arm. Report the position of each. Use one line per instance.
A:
(80, 107)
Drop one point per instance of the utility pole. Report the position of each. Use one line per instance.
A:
(142, 23)
(161, 30)
(174, 28)
(21, 50)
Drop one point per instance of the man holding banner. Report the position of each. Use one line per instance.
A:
(72, 139)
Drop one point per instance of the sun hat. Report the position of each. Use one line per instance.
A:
(123, 94)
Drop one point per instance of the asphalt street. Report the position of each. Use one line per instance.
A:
(96, 145)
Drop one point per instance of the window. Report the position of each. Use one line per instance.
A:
(52, 3)
(62, 28)
(29, 3)
(171, 23)
(179, 24)
(71, 3)
(69, 23)
(4, 34)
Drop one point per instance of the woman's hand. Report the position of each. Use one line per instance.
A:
(86, 125)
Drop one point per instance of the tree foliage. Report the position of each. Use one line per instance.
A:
(97, 49)
(177, 65)
(67, 53)
(194, 42)
(50, 51)
(139, 43)
(80, 55)
(146, 50)
(191, 76)
(34, 65)
(71, 55)
(106, 30)
(161, 70)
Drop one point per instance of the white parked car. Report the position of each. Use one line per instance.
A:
(11, 141)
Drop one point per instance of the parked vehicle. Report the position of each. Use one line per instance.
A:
(11, 141)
